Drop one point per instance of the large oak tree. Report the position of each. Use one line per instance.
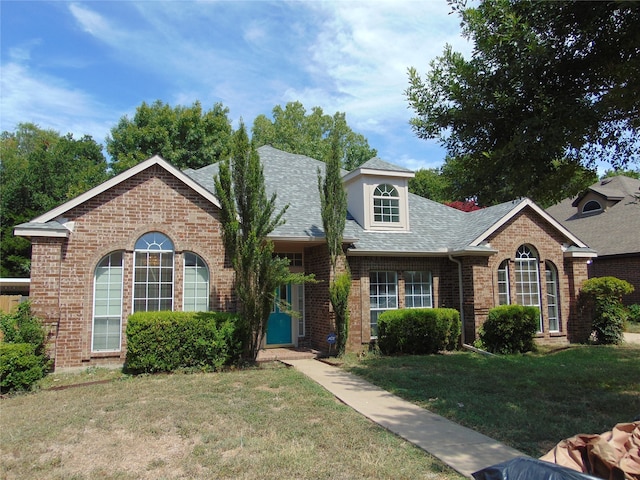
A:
(187, 137)
(295, 131)
(551, 89)
(39, 170)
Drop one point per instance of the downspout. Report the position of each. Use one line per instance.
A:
(462, 335)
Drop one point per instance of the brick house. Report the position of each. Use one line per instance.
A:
(150, 239)
(607, 217)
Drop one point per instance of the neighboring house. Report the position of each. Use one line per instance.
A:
(607, 217)
(150, 239)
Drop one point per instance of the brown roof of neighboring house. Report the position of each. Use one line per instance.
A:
(614, 230)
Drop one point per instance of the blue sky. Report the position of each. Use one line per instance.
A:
(80, 66)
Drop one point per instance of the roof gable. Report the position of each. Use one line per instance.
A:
(499, 215)
(89, 194)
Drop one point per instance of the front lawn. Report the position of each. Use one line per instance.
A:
(263, 423)
(529, 402)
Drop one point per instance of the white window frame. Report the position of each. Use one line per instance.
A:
(200, 288)
(386, 205)
(504, 287)
(553, 296)
(418, 289)
(527, 274)
(383, 296)
(153, 250)
(113, 301)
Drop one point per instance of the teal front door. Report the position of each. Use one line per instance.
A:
(279, 325)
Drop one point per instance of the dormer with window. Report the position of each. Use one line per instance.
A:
(600, 197)
(378, 196)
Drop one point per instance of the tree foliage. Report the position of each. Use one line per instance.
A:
(248, 216)
(601, 299)
(432, 184)
(295, 131)
(550, 90)
(186, 137)
(333, 204)
(39, 170)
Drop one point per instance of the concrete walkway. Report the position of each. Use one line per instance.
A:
(632, 338)
(464, 450)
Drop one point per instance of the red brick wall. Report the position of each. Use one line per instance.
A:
(624, 267)
(319, 321)
(527, 227)
(444, 278)
(480, 280)
(63, 270)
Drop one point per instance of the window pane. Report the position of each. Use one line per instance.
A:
(382, 296)
(553, 296)
(527, 279)
(153, 287)
(196, 284)
(107, 303)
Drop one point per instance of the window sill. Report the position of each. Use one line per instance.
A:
(105, 354)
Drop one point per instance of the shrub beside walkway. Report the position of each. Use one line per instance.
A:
(463, 449)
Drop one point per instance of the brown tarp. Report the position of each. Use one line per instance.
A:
(613, 455)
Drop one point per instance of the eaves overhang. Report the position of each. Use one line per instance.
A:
(577, 252)
(316, 240)
(443, 252)
(34, 229)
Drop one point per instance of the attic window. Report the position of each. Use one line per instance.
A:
(591, 206)
(386, 204)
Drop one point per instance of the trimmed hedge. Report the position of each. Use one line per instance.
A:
(167, 341)
(418, 331)
(20, 366)
(510, 329)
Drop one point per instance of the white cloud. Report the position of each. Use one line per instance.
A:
(49, 103)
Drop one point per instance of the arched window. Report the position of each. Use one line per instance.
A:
(196, 284)
(386, 204)
(153, 276)
(107, 304)
(553, 296)
(504, 297)
(591, 206)
(527, 278)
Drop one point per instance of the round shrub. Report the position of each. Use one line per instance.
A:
(510, 329)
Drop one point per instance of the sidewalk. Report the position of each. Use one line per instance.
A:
(464, 450)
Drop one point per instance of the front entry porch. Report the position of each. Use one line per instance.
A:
(282, 353)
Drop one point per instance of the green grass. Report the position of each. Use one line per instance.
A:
(266, 423)
(529, 402)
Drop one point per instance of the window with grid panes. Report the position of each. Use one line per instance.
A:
(107, 304)
(527, 279)
(383, 295)
(418, 290)
(153, 273)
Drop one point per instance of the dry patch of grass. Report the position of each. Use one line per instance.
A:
(253, 424)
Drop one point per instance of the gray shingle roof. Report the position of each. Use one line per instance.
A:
(378, 164)
(435, 229)
(614, 231)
